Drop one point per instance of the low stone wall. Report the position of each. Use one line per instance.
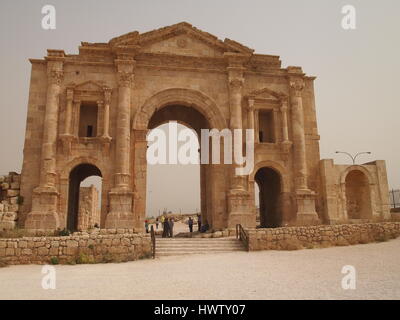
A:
(9, 200)
(106, 245)
(291, 238)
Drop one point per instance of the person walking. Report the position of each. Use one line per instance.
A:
(166, 232)
(146, 225)
(162, 219)
(157, 224)
(171, 227)
(199, 221)
(190, 223)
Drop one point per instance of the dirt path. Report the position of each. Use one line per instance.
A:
(309, 274)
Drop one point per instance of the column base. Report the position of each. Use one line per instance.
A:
(44, 216)
(239, 209)
(41, 221)
(121, 214)
(306, 214)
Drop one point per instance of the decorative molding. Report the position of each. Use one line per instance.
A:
(125, 79)
(55, 77)
(297, 85)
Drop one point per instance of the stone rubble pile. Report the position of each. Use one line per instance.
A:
(9, 200)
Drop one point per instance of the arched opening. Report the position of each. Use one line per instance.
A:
(268, 188)
(176, 187)
(84, 196)
(358, 195)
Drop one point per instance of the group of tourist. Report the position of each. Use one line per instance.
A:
(167, 225)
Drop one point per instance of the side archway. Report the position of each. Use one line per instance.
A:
(270, 191)
(76, 176)
(357, 188)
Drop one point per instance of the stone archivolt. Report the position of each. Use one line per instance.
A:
(97, 107)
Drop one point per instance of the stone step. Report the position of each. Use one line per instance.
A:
(187, 246)
(198, 248)
(195, 247)
(196, 240)
(181, 253)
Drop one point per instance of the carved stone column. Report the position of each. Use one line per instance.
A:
(238, 195)
(286, 143)
(285, 130)
(121, 196)
(105, 138)
(276, 128)
(250, 114)
(106, 123)
(305, 198)
(67, 137)
(298, 134)
(45, 197)
(68, 114)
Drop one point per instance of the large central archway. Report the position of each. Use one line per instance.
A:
(196, 111)
(191, 118)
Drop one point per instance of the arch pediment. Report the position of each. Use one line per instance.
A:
(268, 94)
(180, 39)
(89, 85)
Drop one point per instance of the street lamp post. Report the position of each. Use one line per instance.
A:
(353, 158)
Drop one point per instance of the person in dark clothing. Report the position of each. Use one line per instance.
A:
(171, 227)
(204, 228)
(190, 223)
(199, 221)
(165, 233)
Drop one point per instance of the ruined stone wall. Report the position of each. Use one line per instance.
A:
(322, 235)
(105, 245)
(9, 200)
(333, 190)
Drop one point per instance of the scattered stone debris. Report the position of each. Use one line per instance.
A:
(10, 200)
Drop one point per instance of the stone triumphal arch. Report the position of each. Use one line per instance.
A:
(89, 114)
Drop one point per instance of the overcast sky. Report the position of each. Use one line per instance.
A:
(357, 70)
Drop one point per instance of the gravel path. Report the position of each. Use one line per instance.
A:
(303, 274)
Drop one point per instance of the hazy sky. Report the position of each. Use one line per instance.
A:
(357, 70)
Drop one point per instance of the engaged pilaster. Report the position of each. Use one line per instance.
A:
(238, 196)
(44, 214)
(121, 196)
(305, 198)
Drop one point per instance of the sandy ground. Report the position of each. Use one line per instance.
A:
(303, 274)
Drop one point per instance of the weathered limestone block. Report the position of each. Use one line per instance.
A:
(15, 186)
(5, 185)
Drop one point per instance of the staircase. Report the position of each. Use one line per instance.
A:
(185, 246)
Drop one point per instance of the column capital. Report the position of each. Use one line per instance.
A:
(297, 85)
(250, 104)
(125, 66)
(125, 79)
(107, 95)
(70, 94)
(236, 83)
(55, 76)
